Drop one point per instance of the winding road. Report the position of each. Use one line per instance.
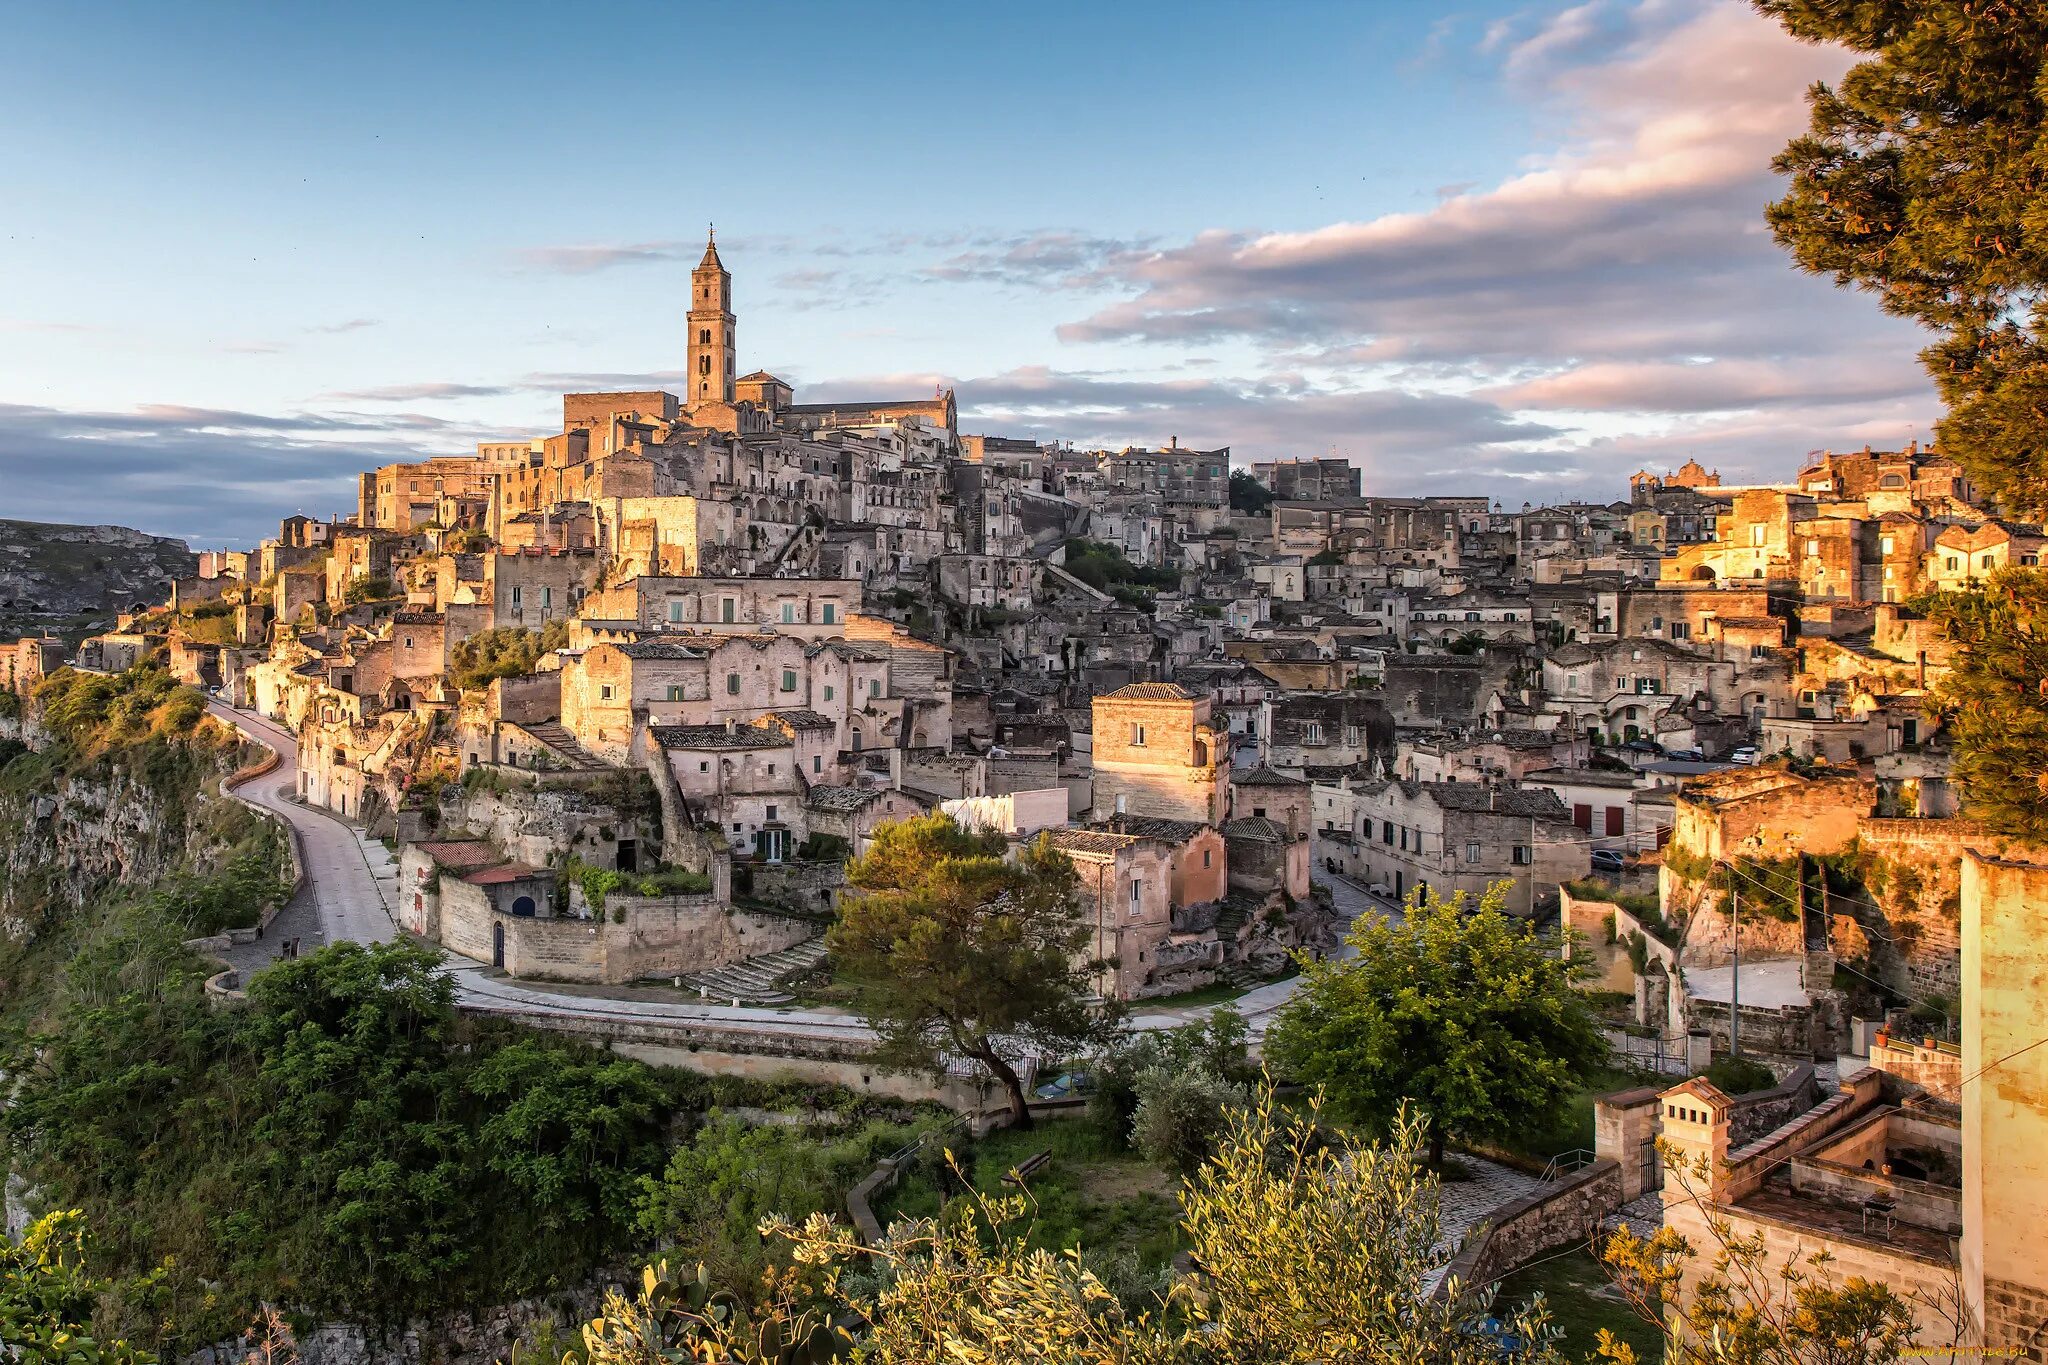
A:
(351, 885)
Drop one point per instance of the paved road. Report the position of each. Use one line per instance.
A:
(342, 898)
(350, 885)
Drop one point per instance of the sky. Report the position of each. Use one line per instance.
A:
(1516, 249)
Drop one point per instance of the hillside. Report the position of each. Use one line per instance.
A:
(70, 580)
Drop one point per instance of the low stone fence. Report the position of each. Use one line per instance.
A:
(224, 987)
(1555, 1216)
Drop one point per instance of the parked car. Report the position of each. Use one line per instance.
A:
(1746, 754)
(1685, 755)
(1382, 890)
(1607, 860)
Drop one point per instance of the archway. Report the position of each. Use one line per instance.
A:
(1704, 573)
(522, 907)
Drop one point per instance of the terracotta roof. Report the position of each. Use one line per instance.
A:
(1154, 691)
(1476, 798)
(457, 854)
(657, 649)
(841, 798)
(797, 718)
(716, 737)
(504, 872)
(1090, 840)
(1152, 827)
(1265, 777)
(1258, 829)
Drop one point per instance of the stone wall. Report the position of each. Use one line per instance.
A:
(1557, 1215)
(1915, 875)
(634, 937)
(802, 888)
(1625, 1132)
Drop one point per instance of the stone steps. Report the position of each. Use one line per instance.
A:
(758, 980)
(557, 737)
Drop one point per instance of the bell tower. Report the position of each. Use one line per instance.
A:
(711, 370)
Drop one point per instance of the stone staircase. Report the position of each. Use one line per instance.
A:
(758, 980)
(563, 745)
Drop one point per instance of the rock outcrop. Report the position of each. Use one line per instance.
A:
(64, 579)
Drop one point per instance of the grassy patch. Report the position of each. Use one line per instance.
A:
(1218, 993)
(1110, 1203)
(1576, 1290)
(1575, 1130)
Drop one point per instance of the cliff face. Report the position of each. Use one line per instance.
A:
(69, 839)
(73, 579)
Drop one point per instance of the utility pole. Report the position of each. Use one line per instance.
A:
(1735, 970)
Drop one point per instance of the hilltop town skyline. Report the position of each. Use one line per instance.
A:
(1555, 277)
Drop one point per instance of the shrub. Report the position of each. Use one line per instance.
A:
(1740, 1075)
(1182, 1114)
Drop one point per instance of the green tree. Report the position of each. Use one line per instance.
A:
(1181, 1115)
(1471, 1016)
(1996, 702)
(1921, 179)
(1247, 494)
(47, 1299)
(953, 950)
(1313, 1247)
(502, 652)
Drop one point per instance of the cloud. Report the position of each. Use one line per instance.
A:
(414, 393)
(1639, 236)
(208, 475)
(1059, 257)
(351, 325)
(587, 259)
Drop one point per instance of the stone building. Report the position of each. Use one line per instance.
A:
(1465, 836)
(1157, 752)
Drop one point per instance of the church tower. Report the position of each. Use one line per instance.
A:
(711, 326)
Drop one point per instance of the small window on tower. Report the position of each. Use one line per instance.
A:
(704, 337)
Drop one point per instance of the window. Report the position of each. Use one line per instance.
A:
(831, 613)
(1813, 549)
(675, 609)
(604, 691)
(515, 592)
(789, 680)
(1351, 736)
(1205, 857)
(547, 598)
(1312, 733)
(704, 766)
(515, 589)
(1756, 535)
(772, 810)
(1386, 831)
(1471, 853)
(1522, 858)
(1680, 631)
(732, 684)
(675, 692)
(1884, 544)
(725, 610)
(817, 764)
(1137, 890)
(1137, 735)
(828, 691)
(874, 687)
(789, 613)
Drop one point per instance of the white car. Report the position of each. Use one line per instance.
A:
(1746, 755)
(1382, 890)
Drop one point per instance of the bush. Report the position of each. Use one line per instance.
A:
(1217, 1045)
(1182, 1114)
(1740, 1075)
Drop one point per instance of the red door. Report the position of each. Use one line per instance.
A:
(1613, 821)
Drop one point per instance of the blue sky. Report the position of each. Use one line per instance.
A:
(1511, 249)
